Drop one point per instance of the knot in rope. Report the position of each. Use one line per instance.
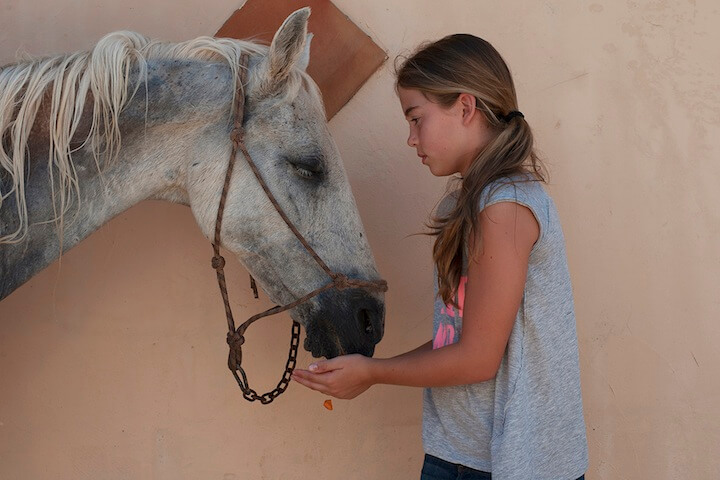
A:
(237, 134)
(218, 262)
(235, 341)
(341, 281)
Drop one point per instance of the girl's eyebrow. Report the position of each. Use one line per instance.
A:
(410, 109)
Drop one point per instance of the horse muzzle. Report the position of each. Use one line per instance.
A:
(341, 322)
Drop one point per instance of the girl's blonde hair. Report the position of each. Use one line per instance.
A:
(442, 70)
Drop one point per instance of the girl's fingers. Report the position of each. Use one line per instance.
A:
(306, 381)
(306, 373)
(323, 366)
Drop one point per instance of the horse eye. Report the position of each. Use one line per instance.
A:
(309, 168)
(303, 172)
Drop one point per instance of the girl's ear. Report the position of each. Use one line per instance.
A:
(468, 103)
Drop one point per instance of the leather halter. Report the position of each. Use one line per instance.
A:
(235, 336)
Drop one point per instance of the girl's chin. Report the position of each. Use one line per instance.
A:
(438, 173)
(435, 169)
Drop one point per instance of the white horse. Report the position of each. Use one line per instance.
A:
(87, 135)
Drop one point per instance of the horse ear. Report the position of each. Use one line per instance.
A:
(286, 49)
(304, 59)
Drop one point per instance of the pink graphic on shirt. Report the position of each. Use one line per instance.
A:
(445, 334)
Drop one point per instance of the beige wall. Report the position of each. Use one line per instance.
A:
(112, 364)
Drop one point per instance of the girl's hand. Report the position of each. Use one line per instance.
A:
(343, 377)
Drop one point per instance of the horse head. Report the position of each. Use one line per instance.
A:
(287, 137)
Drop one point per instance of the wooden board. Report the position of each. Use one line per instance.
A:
(342, 57)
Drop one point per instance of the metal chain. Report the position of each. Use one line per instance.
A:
(251, 395)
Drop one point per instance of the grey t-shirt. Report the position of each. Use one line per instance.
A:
(527, 423)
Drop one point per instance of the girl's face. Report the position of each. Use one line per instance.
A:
(446, 139)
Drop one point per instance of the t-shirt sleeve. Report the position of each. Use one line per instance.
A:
(529, 194)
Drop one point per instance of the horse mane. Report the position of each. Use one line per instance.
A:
(65, 81)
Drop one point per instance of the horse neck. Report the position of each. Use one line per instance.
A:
(158, 131)
(129, 179)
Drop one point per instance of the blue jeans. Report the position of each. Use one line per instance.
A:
(438, 469)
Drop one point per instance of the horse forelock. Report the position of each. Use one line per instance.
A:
(100, 76)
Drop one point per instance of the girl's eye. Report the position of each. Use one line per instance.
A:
(414, 121)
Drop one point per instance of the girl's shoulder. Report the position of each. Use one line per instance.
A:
(524, 189)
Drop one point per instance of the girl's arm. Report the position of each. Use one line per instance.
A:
(497, 271)
(422, 348)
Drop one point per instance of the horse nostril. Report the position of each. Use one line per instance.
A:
(366, 322)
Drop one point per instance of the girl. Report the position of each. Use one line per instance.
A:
(501, 373)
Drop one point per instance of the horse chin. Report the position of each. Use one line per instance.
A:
(319, 349)
(319, 343)
(321, 346)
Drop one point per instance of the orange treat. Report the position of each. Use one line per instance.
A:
(328, 404)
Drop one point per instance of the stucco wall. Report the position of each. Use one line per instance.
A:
(112, 363)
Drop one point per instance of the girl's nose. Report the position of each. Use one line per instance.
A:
(412, 139)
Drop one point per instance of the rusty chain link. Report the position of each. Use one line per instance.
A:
(251, 395)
